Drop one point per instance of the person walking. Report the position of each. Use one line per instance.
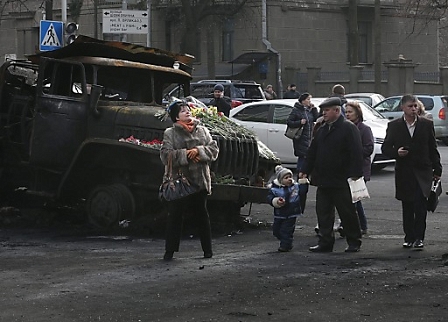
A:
(354, 114)
(270, 93)
(291, 92)
(192, 149)
(284, 196)
(411, 141)
(335, 154)
(222, 103)
(338, 90)
(303, 114)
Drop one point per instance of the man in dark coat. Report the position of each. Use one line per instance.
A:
(223, 103)
(411, 141)
(339, 91)
(291, 92)
(334, 156)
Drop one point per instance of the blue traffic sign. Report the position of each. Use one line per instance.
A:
(51, 35)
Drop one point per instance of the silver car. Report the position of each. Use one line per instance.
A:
(434, 104)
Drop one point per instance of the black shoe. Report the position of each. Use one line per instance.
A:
(352, 248)
(168, 256)
(407, 245)
(284, 249)
(208, 254)
(418, 244)
(321, 249)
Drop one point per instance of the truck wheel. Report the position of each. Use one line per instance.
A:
(126, 200)
(103, 206)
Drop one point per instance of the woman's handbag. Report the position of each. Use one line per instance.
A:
(433, 199)
(293, 132)
(358, 189)
(177, 187)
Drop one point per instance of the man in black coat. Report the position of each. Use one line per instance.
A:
(334, 156)
(411, 141)
(291, 92)
(223, 103)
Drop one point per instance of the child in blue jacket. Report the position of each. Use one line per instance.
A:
(284, 197)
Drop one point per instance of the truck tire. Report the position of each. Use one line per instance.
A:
(103, 206)
(126, 200)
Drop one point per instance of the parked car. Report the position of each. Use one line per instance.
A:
(240, 92)
(434, 104)
(268, 120)
(370, 99)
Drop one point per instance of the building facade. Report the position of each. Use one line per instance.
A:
(270, 41)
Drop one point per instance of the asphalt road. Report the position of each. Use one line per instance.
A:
(69, 274)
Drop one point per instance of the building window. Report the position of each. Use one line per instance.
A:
(27, 42)
(365, 42)
(227, 40)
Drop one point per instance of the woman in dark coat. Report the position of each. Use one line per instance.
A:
(192, 149)
(353, 113)
(304, 114)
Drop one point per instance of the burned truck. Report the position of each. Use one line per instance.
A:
(81, 125)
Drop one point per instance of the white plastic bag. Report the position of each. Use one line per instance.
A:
(358, 189)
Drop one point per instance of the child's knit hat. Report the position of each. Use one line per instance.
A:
(281, 172)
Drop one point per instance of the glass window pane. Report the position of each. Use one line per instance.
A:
(254, 113)
(281, 113)
(428, 102)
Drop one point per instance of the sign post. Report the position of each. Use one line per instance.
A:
(51, 35)
(125, 21)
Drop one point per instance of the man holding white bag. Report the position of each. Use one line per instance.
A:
(334, 156)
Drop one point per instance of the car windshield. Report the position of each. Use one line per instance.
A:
(364, 99)
(369, 113)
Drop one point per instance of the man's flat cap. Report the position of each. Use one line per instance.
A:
(331, 101)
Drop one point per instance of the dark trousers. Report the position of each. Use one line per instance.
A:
(283, 229)
(361, 215)
(303, 187)
(340, 198)
(195, 204)
(414, 216)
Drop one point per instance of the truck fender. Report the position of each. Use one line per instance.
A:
(106, 161)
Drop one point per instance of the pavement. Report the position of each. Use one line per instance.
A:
(70, 273)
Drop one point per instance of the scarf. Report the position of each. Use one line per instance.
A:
(189, 126)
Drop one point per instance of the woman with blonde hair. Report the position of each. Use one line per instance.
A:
(422, 111)
(353, 113)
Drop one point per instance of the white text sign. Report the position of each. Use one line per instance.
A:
(125, 21)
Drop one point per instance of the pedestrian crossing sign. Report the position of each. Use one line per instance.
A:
(51, 35)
